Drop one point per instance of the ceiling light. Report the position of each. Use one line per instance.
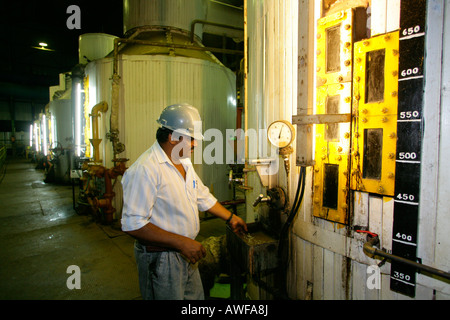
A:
(43, 44)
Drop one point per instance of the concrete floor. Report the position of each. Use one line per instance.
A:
(41, 235)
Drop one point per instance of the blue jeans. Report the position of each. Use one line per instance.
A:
(167, 276)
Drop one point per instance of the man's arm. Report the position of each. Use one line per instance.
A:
(236, 223)
(153, 235)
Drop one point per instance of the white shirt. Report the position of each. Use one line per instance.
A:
(154, 191)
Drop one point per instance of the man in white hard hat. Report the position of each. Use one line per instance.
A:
(162, 196)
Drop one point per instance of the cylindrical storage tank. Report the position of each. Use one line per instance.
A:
(61, 113)
(151, 78)
(165, 13)
(94, 46)
(151, 82)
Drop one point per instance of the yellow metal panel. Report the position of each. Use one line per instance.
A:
(332, 150)
(339, 24)
(374, 114)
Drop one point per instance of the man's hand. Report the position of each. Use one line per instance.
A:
(192, 250)
(237, 224)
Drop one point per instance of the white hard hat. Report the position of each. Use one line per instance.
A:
(183, 119)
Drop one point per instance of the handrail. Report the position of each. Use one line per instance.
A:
(370, 250)
(221, 25)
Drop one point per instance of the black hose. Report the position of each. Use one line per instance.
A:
(283, 247)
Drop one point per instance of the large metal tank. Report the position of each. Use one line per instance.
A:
(60, 112)
(93, 46)
(164, 13)
(150, 78)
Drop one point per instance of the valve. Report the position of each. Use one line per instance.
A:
(276, 198)
(232, 180)
(261, 198)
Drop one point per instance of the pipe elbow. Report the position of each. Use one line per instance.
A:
(369, 247)
(99, 107)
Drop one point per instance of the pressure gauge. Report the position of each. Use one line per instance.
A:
(281, 133)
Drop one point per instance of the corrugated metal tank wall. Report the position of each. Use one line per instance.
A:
(149, 83)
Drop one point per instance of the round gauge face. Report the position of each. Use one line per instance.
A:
(280, 133)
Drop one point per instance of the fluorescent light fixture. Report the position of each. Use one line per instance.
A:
(43, 46)
(44, 134)
(53, 126)
(31, 135)
(36, 136)
(78, 120)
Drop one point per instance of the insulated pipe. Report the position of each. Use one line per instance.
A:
(370, 250)
(246, 155)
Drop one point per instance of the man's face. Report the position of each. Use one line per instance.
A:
(183, 146)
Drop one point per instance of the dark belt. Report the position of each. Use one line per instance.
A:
(154, 248)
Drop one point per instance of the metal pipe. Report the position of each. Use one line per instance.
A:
(245, 93)
(226, 26)
(95, 141)
(370, 250)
